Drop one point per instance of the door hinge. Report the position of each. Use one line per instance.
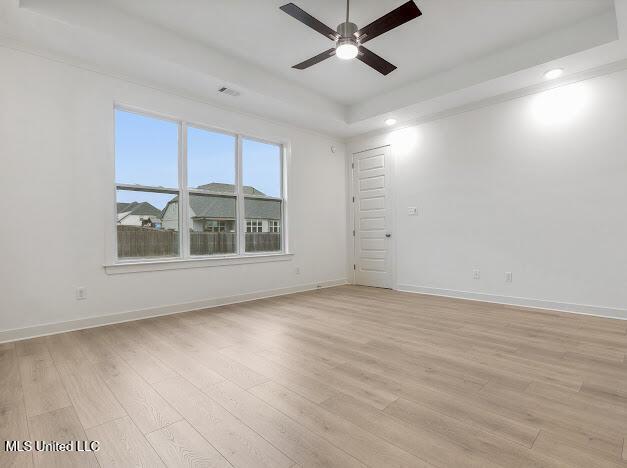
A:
(353, 165)
(354, 267)
(353, 233)
(353, 199)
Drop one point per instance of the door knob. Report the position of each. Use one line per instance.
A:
(388, 235)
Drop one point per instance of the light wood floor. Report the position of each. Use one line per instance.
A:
(345, 377)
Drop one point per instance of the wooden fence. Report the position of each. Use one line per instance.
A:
(263, 241)
(210, 243)
(135, 242)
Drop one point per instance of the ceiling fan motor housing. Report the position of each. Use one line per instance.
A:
(347, 40)
(347, 30)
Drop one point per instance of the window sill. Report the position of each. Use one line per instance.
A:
(136, 266)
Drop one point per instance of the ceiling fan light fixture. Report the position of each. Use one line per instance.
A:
(346, 48)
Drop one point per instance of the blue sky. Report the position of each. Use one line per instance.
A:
(146, 153)
(262, 167)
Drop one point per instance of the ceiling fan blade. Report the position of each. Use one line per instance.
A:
(373, 60)
(317, 59)
(393, 19)
(306, 18)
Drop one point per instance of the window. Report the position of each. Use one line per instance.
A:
(262, 173)
(146, 176)
(254, 225)
(212, 206)
(274, 226)
(219, 226)
(228, 201)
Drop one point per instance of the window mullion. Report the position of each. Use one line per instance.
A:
(283, 220)
(183, 192)
(241, 218)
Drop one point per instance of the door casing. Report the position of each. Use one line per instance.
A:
(390, 212)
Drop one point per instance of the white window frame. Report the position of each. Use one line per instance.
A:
(274, 225)
(258, 225)
(220, 225)
(117, 265)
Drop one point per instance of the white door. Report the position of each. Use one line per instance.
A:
(373, 220)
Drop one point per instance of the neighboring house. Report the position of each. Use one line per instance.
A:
(138, 214)
(214, 213)
(229, 188)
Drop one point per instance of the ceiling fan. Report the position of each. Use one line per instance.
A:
(349, 39)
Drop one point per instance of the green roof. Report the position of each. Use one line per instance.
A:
(138, 208)
(229, 188)
(223, 207)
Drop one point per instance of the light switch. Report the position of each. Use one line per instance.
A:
(412, 211)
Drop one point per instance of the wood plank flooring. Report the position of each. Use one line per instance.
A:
(346, 377)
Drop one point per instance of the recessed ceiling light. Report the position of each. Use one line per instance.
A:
(555, 73)
(390, 122)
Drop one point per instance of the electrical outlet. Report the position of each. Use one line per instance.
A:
(412, 211)
(508, 277)
(81, 293)
(476, 274)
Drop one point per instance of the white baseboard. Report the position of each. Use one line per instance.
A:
(598, 311)
(91, 322)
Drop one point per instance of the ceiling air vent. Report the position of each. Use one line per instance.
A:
(229, 91)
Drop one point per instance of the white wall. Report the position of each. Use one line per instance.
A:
(536, 186)
(56, 149)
